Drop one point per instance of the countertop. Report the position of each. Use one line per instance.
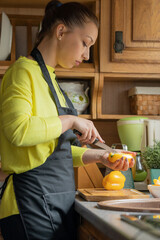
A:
(109, 222)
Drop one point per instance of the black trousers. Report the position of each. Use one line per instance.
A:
(12, 228)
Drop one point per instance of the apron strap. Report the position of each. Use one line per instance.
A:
(70, 104)
(38, 57)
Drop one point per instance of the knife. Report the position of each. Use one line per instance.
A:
(98, 143)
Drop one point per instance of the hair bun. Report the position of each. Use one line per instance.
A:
(53, 4)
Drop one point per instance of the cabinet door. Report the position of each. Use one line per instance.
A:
(1, 238)
(139, 23)
(86, 231)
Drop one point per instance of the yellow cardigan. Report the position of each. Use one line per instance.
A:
(30, 126)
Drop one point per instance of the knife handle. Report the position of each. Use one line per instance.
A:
(80, 134)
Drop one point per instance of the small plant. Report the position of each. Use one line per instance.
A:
(151, 156)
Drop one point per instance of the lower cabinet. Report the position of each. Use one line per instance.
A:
(86, 231)
(1, 238)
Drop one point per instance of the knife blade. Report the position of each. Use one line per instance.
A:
(98, 143)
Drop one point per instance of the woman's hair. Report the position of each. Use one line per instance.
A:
(70, 14)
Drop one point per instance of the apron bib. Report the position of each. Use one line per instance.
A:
(45, 195)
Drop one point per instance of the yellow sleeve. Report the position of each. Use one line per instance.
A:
(77, 153)
(20, 127)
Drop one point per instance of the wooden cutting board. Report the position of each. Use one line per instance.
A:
(101, 194)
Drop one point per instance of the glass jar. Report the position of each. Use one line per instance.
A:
(141, 172)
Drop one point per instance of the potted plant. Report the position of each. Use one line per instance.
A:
(151, 159)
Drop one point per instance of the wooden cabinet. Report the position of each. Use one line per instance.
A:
(109, 79)
(1, 238)
(129, 53)
(113, 100)
(86, 231)
(139, 24)
(25, 19)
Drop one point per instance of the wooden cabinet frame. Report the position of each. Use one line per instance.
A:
(94, 79)
(120, 83)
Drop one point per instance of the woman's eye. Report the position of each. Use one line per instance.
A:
(84, 44)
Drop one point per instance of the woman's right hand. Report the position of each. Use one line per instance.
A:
(86, 127)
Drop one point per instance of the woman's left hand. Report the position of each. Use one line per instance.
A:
(121, 164)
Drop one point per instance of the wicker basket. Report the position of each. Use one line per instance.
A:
(145, 100)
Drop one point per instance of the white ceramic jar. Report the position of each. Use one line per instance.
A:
(76, 93)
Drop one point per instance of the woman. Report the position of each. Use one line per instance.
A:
(36, 135)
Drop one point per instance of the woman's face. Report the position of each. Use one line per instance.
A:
(74, 46)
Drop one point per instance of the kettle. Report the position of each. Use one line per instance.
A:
(151, 132)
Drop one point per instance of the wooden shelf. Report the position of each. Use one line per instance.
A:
(33, 4)
(87, 116)
(92, 79)
(131, 76)
(85, 70)
(113, 101)
(75, 74)
(28, 22)
(117, 116)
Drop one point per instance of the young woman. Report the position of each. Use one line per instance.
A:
(36, 134)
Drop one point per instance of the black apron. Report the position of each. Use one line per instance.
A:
(45, 195)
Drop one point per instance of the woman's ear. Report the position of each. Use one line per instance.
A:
(60, 30)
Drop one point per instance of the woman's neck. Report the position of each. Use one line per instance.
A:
(48, 50)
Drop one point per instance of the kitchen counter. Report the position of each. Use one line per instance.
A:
(109, 223)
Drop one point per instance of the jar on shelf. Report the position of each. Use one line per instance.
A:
(76, 93)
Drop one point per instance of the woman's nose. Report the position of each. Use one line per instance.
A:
(86, 54)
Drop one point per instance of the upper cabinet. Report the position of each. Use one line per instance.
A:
(25, 17)
(130, 36)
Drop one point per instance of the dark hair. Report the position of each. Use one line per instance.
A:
(71, 14)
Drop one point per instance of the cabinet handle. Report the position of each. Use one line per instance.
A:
(118, 45)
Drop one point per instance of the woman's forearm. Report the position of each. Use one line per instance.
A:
(93, 156)
(67, 122)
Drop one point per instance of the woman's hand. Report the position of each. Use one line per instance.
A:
(121, 164)
(101, 156)
(87, 129)
(84, 126)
